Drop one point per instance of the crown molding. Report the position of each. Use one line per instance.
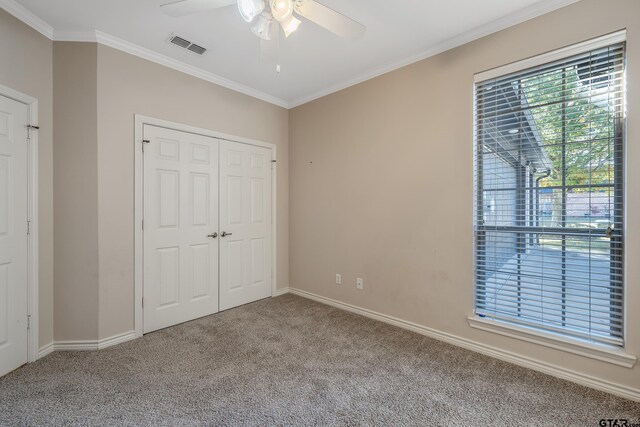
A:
(150, 55)
(94, 36)
(75, 36)
(500, 24)
(507, 21)
(17, 10)
(158, 58)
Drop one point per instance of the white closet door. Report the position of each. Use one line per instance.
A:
(245, 224)
(13, 234)
(180, 227)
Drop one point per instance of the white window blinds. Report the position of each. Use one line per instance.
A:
(549, 196)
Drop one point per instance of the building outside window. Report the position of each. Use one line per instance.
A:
(549, 196)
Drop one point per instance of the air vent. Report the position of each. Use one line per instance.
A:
(177, 40)
(186, 44)
(197, 49)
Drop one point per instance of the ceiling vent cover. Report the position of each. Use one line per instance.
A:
(197, 49)
(186, 44)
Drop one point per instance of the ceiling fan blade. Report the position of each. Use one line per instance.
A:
(187, 7)
(328, 18)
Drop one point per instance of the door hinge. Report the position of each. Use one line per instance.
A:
(144, 142)
(142, 302)
(143, 225)
(30, 128)
(28, 227)
(28, 321)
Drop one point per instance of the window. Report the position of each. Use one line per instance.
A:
(549, 196)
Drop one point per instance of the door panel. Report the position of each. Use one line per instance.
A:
(5, 193)
(13, 234)
(5, 280)
(245, 213)
(257, 261)
(169, 198)
(201, 271)
(180, 212)
(199, 199)
(169, 267)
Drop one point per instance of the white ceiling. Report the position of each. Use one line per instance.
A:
(313, 61)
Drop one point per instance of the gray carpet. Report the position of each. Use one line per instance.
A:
(291, 361)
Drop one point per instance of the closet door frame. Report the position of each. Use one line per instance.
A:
(140, 121)
(34, 352)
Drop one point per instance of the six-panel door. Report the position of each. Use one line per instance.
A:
(207, 225)
(180, 227)
(245, 218)
(13, 234)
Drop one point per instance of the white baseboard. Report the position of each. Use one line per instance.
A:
(517, 359)
(45, 350)
(281, 291)
(84, 345)
(116, 339)
(75, 345)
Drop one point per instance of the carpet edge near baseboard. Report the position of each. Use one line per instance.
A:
(84, 345)
(507, 356)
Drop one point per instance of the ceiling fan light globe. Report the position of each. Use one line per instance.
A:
(263, 26)
(290, 25)
(281, 10)
(249, 9)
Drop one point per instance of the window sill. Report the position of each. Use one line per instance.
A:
(594, 351)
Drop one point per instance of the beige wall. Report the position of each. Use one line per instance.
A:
(366, 165)
(98, 90)
(382, 184)
(128, 85)
(26, 66)
(76, 191)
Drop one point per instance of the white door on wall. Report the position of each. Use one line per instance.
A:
(13, 234)
(180, 227)
(245, 224)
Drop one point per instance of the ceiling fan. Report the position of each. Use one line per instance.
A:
(269, 16)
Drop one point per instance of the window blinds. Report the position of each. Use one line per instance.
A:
(549, 196)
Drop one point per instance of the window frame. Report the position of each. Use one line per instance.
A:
(610, 353)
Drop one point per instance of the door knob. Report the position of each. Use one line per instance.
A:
(213, 236)
(225, 234)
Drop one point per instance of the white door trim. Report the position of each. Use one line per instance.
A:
(32, 256)
(140, 121)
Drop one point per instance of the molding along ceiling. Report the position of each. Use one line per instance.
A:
(17, 10)
(314, 63)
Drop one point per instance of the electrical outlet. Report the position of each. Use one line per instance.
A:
(359, 283)
(338, 279)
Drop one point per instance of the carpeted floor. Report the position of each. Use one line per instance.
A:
(291, 361)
